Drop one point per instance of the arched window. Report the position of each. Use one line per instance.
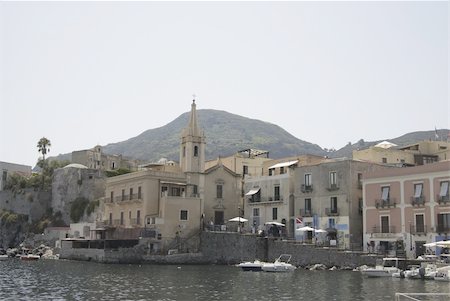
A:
(196, 151)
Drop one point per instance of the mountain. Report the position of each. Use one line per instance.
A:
(225, 133)
(406, 139)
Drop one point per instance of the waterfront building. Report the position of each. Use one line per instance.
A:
(9, 169)
(95, 158)
(419, 153)
(404, 208)
(328, 196)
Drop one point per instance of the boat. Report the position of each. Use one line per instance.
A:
(442, 274)
(391, 266)
(30, 257)
(281, 264)
(251, 265)
(4, 257)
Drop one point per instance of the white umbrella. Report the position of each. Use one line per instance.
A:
(320, 231)
(430, 244)
(306, 228)
(443, 243)
(275, 224)
(238, 219)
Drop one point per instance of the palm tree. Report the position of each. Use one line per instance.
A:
(44, 147)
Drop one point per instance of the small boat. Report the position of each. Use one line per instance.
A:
(251, 265)
(4, 257)
(281, 264)
(30, 257)
(442, 274)
(390, 267)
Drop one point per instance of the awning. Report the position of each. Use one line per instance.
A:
(173, 183)
(252, 191)
(284, 164)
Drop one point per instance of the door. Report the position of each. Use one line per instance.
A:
(218, 218)
(420, 249)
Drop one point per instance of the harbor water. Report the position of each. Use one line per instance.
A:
(73, 280)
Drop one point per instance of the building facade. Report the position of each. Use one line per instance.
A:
(8, 169)
(407, 207)
(328, 196)
(95, 158)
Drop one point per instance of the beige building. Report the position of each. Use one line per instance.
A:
(406, 207)
(162, 202)
(95, 158)
(420, 153)
(8, 169)
(328, 196)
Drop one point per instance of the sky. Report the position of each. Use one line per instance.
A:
(88, 73)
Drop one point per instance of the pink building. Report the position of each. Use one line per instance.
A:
(403, 208)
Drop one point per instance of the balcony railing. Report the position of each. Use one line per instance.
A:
(418, 201)
(442, 200)
(306, 212)
(385, 203)
(265, 199)
(306, 188)
(443, 228)
(418, 229)
(386, 231)
(332, 211)
(333, 187)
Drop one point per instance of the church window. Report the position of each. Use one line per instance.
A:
(196, 151)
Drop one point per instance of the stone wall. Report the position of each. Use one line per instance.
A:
(29, 202)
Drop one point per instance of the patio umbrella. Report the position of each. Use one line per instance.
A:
(275, 224)
(430, 244)
(320, 231)
(306, 228)
(238, 219)
(443, 243)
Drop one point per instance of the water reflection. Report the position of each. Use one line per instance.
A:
(67, 280)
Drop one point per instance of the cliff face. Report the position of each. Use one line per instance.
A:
(70, 183)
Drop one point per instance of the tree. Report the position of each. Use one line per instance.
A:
(44, 146)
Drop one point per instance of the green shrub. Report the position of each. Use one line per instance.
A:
(77, 209)
(91, 207)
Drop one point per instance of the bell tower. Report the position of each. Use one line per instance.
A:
(192, 148)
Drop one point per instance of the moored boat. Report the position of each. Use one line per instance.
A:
(389, 267)
(251, 265)
(281, 264)
(30, 257)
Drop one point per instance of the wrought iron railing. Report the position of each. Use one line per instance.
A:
(306, 212)
(306, 188)
(332, 211)
(388, 203)
(418, 201)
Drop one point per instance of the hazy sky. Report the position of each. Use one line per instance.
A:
(85, 73)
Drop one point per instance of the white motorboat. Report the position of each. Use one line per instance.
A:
(4, 257)
(281, 264)
(388, 268)
(251, 265)
(30, 257)
(442, 274)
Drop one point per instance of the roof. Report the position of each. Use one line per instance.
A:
(253, 152)
(284, 164)
(385, 144)
(76, 165)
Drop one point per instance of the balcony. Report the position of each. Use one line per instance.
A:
(333, 187)
(381, 204)
(383, 232)
(443, 229)
(306, 212)
(443, 199)
(418, 229)
(271, 199)
(306, 188)
(418, 201)
(332, 211)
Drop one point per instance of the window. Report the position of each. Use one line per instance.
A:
(113, 165)
(164, 190)
(333, 205)
(121, 218)
(183, 215)
(383, 160)
(385, 224)
(331, 223)
(131, 193)
(245, 170)
(418, 190)
(270, 171)
(443, 221)
(308, 206)
(196, 151)
(444, 189)
(420, 223)
(110, 218)
(219, 191)
(385, 193)
(281, 170)
(276, 192)
(333, 179)
(129, 215)
(195, 189)
(255, 211)
(139, 193)
(184, 151)
(307, 179)
(360, 180)
(274, 214)
(176, 191)
(138, 217)
(112, 196)
(123, 194)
